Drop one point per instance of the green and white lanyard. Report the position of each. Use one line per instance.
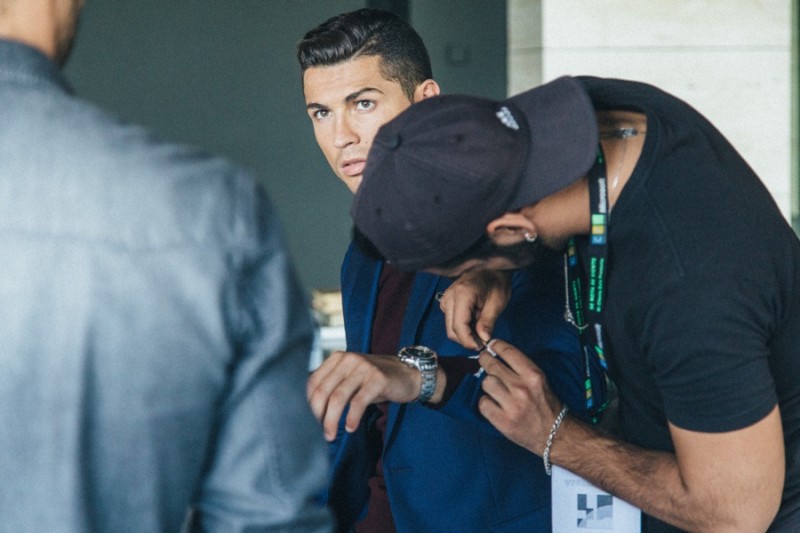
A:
(588, 302)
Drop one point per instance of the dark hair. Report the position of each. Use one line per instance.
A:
(523, 253)
(369, 32)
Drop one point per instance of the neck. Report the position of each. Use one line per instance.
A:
(561, 215)
(566, 212)
(31, 22)
(622, 135)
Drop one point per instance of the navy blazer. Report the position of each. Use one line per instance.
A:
(448, 469)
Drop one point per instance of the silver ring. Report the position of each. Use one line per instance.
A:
(489, 349)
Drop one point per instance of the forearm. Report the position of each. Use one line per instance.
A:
(720, 481)
(648, 479)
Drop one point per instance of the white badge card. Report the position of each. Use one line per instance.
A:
(579, 506)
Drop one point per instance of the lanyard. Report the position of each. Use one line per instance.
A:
(588, 302)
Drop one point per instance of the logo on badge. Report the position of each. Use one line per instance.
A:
(595, 511)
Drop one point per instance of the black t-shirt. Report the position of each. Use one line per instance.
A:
(703, 305)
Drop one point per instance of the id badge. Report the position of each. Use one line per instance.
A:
(579, 506)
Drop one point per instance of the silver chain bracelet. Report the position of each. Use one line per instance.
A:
(548, 468)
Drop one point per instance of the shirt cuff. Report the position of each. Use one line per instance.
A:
(456, 369)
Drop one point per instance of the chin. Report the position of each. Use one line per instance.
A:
(353, 184)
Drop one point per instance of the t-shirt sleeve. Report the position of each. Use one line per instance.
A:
(705, 338)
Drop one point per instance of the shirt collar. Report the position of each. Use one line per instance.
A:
(26, 64)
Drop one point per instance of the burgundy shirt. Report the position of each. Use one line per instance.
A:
(394, 288)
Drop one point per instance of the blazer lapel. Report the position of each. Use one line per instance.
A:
(359, 304)
(423, 292)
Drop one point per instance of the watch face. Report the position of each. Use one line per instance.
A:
(418, 351)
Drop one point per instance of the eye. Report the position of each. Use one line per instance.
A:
(365, 105)
(320, 114)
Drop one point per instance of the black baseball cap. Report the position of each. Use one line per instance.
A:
(443, 169)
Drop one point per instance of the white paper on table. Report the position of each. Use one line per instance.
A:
(579, 506)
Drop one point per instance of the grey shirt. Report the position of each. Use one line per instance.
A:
(153, 340)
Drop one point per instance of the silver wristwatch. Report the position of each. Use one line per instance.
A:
(425, 360)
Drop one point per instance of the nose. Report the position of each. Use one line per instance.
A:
(344, 133)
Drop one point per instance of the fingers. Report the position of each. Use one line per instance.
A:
(507, 357)
(345, 378)
(494, 366)
(320, 384)
(517, 399)
(494, 290)
(329, 389)
(358, 391)
(472, 305)
(459, 305)
(488, 314)
(490, 409)
(357, 380)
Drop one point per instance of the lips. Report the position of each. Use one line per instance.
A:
(353, 167)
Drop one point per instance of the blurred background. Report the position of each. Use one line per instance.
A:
(222, 75)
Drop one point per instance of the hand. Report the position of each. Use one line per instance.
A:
(472, 304)
(518, 401)
(693, 488)
(359, 380)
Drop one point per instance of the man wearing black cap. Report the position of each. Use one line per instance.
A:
(690, 293)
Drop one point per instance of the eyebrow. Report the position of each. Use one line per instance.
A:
(348, 99)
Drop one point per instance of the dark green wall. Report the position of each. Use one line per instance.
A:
(223, 76)
(466, 40)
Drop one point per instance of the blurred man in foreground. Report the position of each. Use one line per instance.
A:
(154, 342)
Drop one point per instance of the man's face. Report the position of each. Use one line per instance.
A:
(348, 103)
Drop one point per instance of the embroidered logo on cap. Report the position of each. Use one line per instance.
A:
(508, 120)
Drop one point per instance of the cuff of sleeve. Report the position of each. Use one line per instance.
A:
(456, 369)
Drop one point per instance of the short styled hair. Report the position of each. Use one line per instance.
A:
(369, 32)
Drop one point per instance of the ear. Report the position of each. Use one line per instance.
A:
(426, 89)
(510, 228)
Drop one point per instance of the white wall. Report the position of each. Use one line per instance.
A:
(730, 59)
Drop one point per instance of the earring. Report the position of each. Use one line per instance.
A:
(529, 237)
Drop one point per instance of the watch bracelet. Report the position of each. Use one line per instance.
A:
(428, 374)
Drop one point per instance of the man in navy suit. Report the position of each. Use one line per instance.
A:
(409, 450)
